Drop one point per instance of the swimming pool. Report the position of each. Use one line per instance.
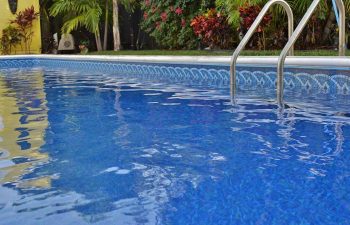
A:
(85, 142)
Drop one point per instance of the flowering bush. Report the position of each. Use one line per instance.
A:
(248, 15)
(169, 22)
(213, 29)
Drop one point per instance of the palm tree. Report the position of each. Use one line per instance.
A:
(116, 31)
(88, 13)
(45, 25)
(105, 39)
(77, 13)
(129, 6)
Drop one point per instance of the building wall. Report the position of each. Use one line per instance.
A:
(6, 16)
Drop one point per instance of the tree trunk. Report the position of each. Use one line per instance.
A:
(116, 31)
(328, 26)
(45, 28)
(105, 39)
(98, 41)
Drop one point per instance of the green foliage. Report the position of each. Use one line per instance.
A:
(78, 13)
(314, 34)
(215, 53)
(11, 37)
(84, 13)
(299, 8)
(129, 5)
(213, 30)
(90, 14)
(85, 42)
(231, 7)
(169, 22)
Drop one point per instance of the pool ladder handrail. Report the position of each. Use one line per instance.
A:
(295, 36)
(250, 33)
(289, 47)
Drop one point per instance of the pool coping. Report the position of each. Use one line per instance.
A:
(309, 61)
(325, 74)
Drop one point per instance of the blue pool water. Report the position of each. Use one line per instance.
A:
(79, 147)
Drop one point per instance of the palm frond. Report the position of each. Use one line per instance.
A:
(78, 13)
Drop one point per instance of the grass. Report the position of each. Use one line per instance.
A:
(164, 52)
(215, 53)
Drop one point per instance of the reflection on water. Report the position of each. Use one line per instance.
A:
(23, 114)
(82, 148)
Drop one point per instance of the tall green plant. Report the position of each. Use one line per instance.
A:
(80, 13)
(91, 14)
(24, 22)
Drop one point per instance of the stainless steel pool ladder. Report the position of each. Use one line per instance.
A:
(289, 47)
(250, 33)
(296, 34)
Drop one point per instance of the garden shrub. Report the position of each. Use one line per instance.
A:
(213, 30)
(168, 22)
(248, 14)
(10, 38)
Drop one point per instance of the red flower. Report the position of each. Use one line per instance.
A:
(248, 15)
(147, 2)
(145, 15)
(212, 28)
(164, 16)
(183, 22)
(178, 11)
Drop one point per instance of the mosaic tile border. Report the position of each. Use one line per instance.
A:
(311, 80)
(17, 63)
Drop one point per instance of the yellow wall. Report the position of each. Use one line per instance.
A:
(6, 15)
